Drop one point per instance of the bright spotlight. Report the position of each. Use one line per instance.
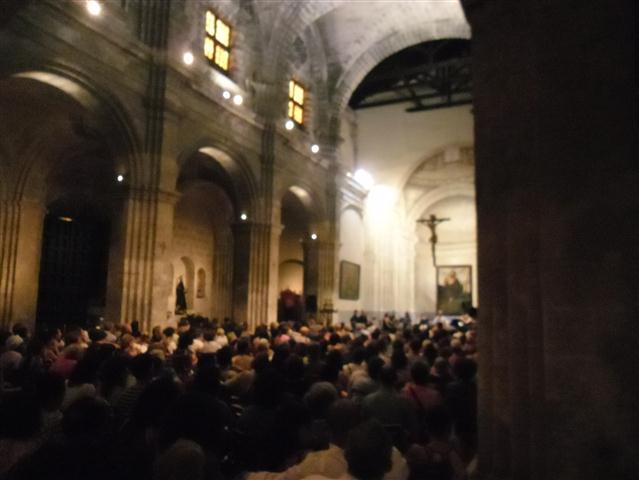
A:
(237, 99)
(120, 178)
(313, 236)
(289, 125)
(243, 217)
(94, 7)
(364, 178)
(188, 58)
(315, 148)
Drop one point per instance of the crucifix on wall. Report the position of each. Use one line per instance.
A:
(431, 222)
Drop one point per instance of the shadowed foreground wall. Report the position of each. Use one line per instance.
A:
(556, 156)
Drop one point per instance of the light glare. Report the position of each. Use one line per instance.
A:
(289, 125)
(315, 148)
(188, 58)
(313, 236)
(120, 178)
(237, 99)
(94, 8)
(364, 178)
(226, 94)
(243, 217)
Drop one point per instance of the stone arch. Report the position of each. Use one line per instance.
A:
(89, 123)
(240, 181)
(436, 195)
(314, 208)
(384, 48)
(105, 116)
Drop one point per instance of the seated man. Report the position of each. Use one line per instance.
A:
(388, 407)
(343, 417)
(368, 453)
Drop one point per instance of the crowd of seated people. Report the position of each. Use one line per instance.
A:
(210, 400)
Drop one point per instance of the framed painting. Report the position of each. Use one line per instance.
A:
(454, 289)
(349, 280)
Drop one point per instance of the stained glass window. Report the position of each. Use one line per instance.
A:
(217, 41)
(296, 102)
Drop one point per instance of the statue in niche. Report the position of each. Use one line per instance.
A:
(180, 297)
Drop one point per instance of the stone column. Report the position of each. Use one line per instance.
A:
(311, 271)
(138, 282)
(252, 274)
(274, 268)
(556, 102)
(20, 248)
(222, 278)
(326, 259)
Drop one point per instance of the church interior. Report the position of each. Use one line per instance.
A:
(230, 228)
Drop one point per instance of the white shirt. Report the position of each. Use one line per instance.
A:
(330, 464)
(210, 347)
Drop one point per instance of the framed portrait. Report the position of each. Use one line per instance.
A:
(454, 289)
(349, 280)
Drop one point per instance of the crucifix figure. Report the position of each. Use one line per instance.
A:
(431, 222)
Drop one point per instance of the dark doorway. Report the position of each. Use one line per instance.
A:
(73, 269)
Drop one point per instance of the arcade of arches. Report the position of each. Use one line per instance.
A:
(140, 184)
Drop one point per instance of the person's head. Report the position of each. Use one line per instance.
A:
(465, 369)
(415, 346)
(294, 367)
(243, 346)
(156, 334)
(260, 362)
(398, 359)
(185, 340)
(224, 356)
(420, 373)
(168, 332)
(21, 330)
(97, 335)
(183, 459)
(183, 325)
(142, 367)
(374, 367)
(342, 416)
(14, 342)
(319, 398)
(209, 335)
(388, 377)
(368, 451)
(441, 367)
